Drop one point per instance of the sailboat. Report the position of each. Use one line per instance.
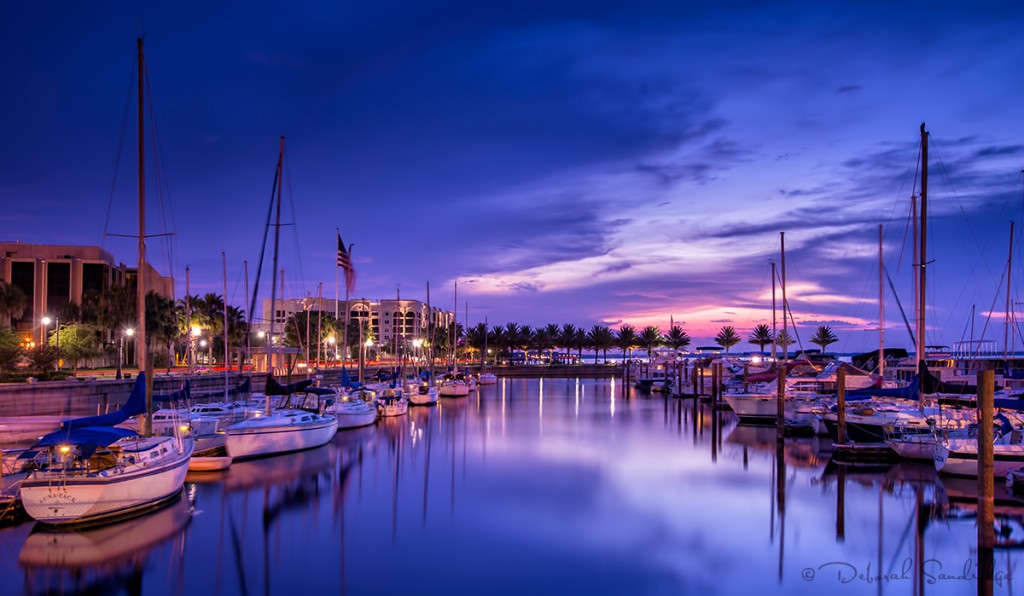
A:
(278, 430)
(454, 384)
(485, 377)
(90, 469)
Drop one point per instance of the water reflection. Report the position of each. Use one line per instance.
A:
(105, 559)
(552, 487)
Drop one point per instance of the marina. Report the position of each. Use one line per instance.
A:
(545, 486)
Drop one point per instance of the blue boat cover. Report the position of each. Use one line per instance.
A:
(909, 392)
(275, 388)
(347, 381)
(88, 439)
(183, 394)
(135, 405)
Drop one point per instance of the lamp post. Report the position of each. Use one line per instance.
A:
(330, 342)
(202, 344)
(193, 337)
(417, 343)
(46, 323)
(120, 350)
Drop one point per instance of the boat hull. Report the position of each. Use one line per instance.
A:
(52, 499)
(257, 441)
(424, 399)
(456, 390)
(753, 407)
(959, 457)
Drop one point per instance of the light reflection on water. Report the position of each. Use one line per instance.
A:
(533, 486)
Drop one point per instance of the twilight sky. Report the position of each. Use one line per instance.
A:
(566, 162)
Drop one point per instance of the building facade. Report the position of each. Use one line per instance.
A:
(393, 324)
(54, 276)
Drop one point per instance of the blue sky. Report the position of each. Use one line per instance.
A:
(567, 162)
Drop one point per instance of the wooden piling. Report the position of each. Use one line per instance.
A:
(841, 404)
(986, 471)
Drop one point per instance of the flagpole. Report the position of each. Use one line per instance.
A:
(336, 297)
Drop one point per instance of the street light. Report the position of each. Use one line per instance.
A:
(330, 342)
(46, 323)
(120, 349)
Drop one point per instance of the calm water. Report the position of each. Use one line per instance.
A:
(535, 486)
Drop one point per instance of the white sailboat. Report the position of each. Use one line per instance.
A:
(278, 430)
(91, 470)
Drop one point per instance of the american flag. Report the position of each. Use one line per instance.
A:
(345, 262)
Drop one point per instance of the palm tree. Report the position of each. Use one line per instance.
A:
(727, 337)
(824, 337)
(626, 340)
(161, 324)
(784, 340)
(12, 302)
(594, 339)
(527, 338)
(574, 337)
(115, 312)
(511, 338)
(651, 337)
(497, 336)
(761, 336)
(475, 337)
(553, 334)
(677, 338)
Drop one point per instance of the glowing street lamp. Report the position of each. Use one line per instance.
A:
(46, 323)
(120, 349)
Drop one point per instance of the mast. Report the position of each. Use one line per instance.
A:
(483, 353)
(273, 280)
(881, 307)
(141, 350)
(227, 351)
(455, 332)
(922, 367)
(188, 323)
(430, 335)
(248, 332)
(1006, 316)
(781, 389)
(775, 332)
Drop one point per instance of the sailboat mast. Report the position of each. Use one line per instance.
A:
(924, 260)
(1006, 316)
(273, 279)
(775, 331)
(455, 332)
(881, 307)
(781, 389)
(430, 335)
(141, 351)
(227, 348)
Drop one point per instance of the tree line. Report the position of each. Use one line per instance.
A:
(98, 328)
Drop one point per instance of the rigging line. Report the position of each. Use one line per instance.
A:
(899, 304)
(263, 246)
(120, 149)
(161, 185)
(898, 201)
(984, 328)
(295, 223)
